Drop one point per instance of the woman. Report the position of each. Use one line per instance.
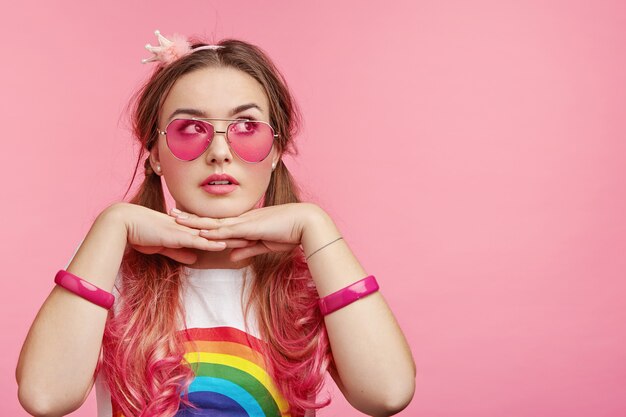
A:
(237, 301)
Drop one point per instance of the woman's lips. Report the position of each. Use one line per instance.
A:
(220, 177)
(219, 188)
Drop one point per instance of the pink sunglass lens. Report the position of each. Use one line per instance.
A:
(188, 139)
(252, 140)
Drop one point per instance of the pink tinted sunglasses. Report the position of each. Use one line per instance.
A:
(250, 140)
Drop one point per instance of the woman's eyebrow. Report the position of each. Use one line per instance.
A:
(200, 113)
(244, 107)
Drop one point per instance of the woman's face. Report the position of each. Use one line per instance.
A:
(214, 93)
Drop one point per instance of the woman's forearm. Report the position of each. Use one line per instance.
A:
(373, 359)
(58, 359)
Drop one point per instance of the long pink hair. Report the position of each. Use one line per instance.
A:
(142, 353)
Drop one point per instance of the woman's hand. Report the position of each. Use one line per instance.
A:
(150, 231)
(268, 229)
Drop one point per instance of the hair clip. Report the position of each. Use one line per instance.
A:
(169, 51)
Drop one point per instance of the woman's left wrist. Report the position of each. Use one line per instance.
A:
(318, 228)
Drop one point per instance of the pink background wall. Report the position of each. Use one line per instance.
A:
(472, 153)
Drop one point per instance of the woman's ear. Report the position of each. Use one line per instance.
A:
(154, 160)
(275, 160)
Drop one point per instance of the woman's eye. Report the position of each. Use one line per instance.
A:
(245, 127)
(199, 128)
(193, 127)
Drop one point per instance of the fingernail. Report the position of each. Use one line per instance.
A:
(179, 214)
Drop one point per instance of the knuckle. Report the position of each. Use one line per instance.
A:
(221, 231)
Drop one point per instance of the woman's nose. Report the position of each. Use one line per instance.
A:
(219, 151)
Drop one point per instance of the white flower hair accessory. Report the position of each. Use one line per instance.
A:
(169, 51)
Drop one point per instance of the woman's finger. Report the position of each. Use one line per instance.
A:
(184, 242)
(247, 252)
(193, 241)
(260, 248)
(242, 230)
(197, 222)
(184, 256)
(238, 243)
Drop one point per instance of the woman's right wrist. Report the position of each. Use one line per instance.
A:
(115, 214)
(99, 257)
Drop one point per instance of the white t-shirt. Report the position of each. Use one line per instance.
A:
(231, 375)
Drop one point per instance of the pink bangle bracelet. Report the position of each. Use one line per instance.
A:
(84, 289)
(348, 295)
